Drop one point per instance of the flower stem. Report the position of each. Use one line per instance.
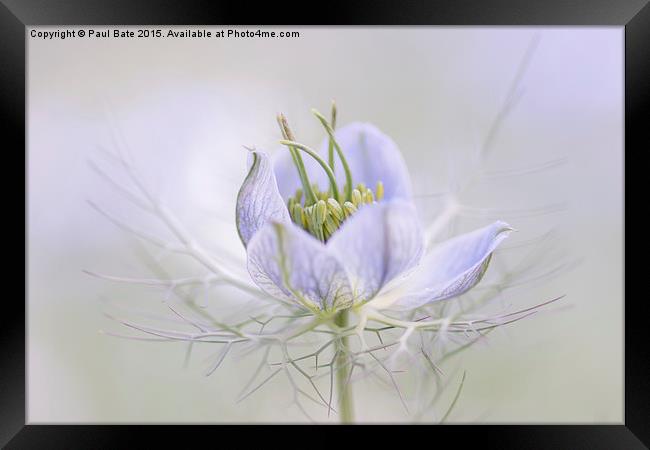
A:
(343, 386)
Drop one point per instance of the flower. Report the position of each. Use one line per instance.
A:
(313, 244)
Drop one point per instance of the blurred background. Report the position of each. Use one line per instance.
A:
(187, 106)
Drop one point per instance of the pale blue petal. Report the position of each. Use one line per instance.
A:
(259, 201)
(372, 157)
(290, 264)
(452, 268)
(378, 243)
(287, 174)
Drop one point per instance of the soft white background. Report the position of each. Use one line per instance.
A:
(187, 106)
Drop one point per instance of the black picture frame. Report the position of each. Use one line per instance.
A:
(17, 15)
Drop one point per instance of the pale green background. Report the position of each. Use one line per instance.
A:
(188, 105)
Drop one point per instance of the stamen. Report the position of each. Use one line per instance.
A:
(309, 218)
(296, 213)
(335, 209)
(356, 197)
(321, 211)
(324, 217)
(317, 221)
(330, 227)
(349, 209)
(379, 190)
(321, 216)
(303, 218)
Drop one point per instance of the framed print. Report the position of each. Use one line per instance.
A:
(413, 217)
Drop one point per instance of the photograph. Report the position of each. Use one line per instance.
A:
(324, 224)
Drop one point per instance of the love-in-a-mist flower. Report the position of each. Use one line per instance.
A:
(336, 228)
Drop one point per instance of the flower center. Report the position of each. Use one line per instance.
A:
(322, 212)
(324, 217)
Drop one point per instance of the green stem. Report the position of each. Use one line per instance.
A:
(343, 387)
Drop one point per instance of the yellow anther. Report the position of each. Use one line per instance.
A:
(316, 216)
(349, 209)
(356, 197)
(321, 211)
(303, 219)
(379, 190)
(328, 214)
(330, 226)
(335, 209)
(296, 213)
(309, 216)
(334, 220)
(368, 197)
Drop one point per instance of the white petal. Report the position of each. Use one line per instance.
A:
(290, 264)
(259, 201)
(378, 243)
(452, 268)
(372, 157)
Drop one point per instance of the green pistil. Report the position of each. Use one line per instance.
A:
(346, 168)
(319, 160)
(330, 150)
(310, 198)
(324, 217)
